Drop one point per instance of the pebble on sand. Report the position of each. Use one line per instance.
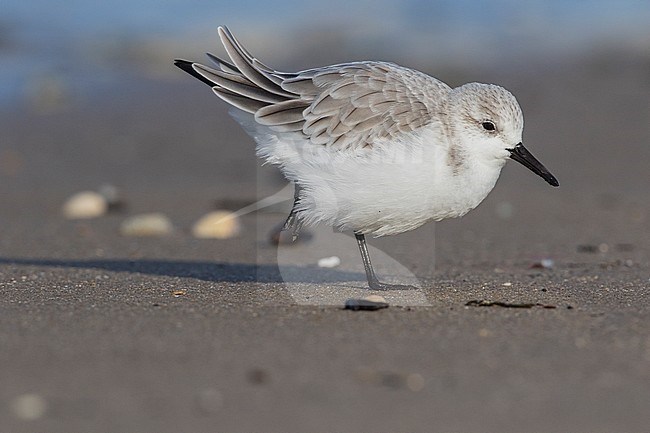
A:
(220, 224)
(84, 205)
(375, 298)
(368, 303)
(543, 264)
(29, 407)
(329, 262)
(112, 195)
(148, 224)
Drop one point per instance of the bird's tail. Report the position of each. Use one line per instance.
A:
(246, 83)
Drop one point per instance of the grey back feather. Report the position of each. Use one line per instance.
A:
(342, 106)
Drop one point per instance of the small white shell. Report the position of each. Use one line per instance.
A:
(220, 224)
(84, 205)
(148, 224)
(329, 262)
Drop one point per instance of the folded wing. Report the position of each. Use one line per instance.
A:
(344, 106)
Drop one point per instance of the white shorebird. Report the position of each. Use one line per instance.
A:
(372, 147)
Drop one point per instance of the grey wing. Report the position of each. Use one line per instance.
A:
(343, 106)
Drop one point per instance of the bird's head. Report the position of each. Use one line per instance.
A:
(488, 123)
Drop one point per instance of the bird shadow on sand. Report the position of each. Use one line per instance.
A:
(207, 271)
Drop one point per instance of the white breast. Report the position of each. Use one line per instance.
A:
(385, 190)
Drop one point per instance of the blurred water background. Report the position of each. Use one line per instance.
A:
(89, 94)
(82, 48)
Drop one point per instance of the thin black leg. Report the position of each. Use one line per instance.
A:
(373, 281)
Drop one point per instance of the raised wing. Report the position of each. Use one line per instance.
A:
(343, 106)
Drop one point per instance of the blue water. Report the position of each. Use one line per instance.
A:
(40, 37)
(45, 18)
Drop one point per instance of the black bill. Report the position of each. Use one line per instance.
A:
(520, 154)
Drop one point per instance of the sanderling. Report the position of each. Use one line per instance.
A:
(372, 147)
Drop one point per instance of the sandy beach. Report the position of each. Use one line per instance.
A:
(533, 313)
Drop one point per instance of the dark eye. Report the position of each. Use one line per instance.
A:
(488, 126)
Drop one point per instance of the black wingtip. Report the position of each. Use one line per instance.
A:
(188, 67)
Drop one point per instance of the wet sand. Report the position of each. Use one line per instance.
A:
(107, 333)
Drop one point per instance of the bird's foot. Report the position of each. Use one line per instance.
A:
(376, 285)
